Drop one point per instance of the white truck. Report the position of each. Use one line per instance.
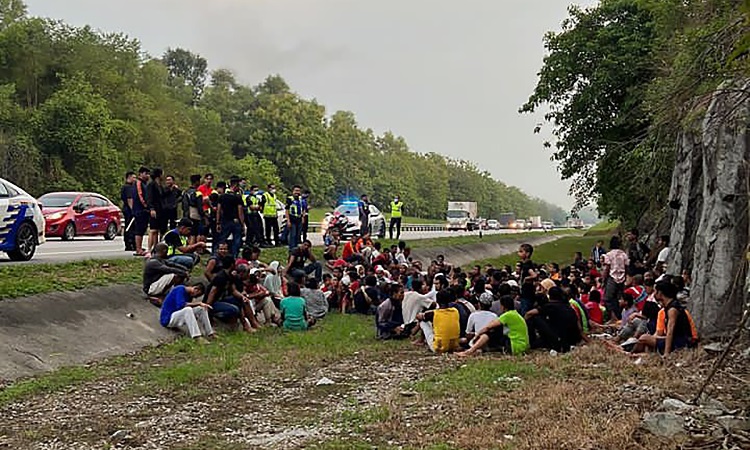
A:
(462, 216)
(535, 222)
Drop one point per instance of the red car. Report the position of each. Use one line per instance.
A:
(71, 214)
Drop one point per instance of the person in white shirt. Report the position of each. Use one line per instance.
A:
(415, 302)
(480, 318)
(663, 242)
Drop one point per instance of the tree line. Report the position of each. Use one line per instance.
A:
(623, 81)
(79, 107)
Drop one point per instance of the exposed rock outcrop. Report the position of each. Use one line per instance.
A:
(710, 195)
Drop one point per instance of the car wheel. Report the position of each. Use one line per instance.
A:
(69, 232)
(111, 231)
(25, 243)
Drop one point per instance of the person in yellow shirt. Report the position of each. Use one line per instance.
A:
(441, 327)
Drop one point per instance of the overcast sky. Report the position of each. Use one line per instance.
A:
(448, 75)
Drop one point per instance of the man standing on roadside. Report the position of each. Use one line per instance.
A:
(126, 195)
(397, 212)
(206, 189)
(305, 213)
(269, 216)
(192, 208)
(172, 195)
(230, 217)
(155, 197)
(294, 215)
(140, 210)
(364, 215)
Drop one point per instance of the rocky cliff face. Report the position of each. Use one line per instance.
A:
(709, 193)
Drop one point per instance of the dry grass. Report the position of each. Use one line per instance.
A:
(590, 399)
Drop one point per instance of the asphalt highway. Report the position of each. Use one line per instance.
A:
(81, 248)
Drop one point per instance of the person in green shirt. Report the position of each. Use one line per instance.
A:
(293, 312)
(508, 333)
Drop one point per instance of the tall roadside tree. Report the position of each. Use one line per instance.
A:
(594, 82)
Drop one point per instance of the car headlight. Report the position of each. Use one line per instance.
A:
(55, 216)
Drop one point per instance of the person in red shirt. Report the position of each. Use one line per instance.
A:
(206, 189)
(594, 307)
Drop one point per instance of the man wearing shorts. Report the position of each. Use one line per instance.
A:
(140, 209)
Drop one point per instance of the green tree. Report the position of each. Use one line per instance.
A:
(187, 69)
(594, 81)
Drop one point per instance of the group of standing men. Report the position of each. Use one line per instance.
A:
(228, 213)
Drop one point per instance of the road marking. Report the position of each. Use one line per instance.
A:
(74, 253)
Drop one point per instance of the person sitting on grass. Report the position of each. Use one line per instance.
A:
(441, 326)
(315, 300)
(390, 317)
(293, 312)
(553, 325)
(159, 275)
(180, 310)
(480, 318)
(595, 308)
(228, 302)
(297, 264)
(263, 306)
(508, 333)
(214, 262)
(178, 249)
(677, 332)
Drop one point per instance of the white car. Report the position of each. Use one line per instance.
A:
(350, 210)
(493, 224)
(21, 222)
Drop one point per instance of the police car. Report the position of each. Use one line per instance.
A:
(348, 211)
(21, 222)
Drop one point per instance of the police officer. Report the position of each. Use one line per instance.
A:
(294, 218)
(254, 203)
(269, 216)
(397, 212)
(364, 215)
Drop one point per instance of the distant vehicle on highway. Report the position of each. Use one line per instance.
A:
(21, 222)
(547, 226)
(350, 211)
(493, 224)
(519, 224)
(506, 220)
(71, 214)
(462, 216)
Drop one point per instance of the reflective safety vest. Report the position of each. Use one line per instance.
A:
(250, 201)
(295, 208)
(269, 209)
(396, 209)
(174, 250)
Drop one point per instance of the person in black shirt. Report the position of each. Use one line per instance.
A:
(367, 298)
(126, 195)
(140, 209)
(224, 295)
(553, 325)
(157, 225)
(230, 217)
(170, 198)
(364, 215)
(297, 267)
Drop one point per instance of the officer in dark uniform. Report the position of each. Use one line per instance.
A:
(254, 205)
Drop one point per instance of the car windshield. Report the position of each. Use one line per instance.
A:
(457, 214)
(57, 200)
(348, 209)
